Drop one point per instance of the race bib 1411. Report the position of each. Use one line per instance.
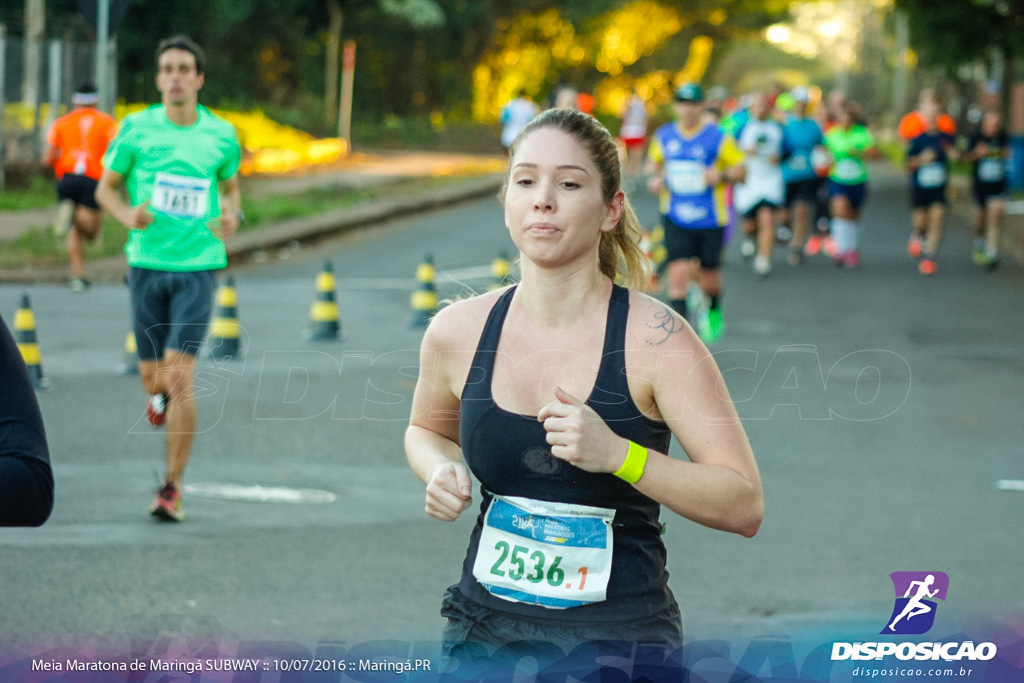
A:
(180, 195)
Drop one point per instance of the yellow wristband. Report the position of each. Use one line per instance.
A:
(633, 466)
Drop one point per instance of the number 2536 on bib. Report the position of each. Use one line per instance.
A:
(552, 554)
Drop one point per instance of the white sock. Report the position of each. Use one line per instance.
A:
(844, 233)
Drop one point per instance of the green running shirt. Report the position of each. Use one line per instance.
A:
(847, 148)
(177, 169)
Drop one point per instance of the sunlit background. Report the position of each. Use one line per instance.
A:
(435, 73)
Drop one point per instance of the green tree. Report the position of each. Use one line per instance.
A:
(955, 32)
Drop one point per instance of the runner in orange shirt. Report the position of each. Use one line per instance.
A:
(77, 143)
(914, 123)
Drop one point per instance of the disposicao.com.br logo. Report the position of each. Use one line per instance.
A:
(913, 613)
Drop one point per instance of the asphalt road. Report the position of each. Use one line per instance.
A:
(883, 407)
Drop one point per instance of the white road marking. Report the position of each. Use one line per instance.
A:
(259, 494)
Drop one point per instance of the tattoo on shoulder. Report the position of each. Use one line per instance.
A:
(666, 322)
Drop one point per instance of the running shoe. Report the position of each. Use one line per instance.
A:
(167, 504)
(813, 245)
(79, 284)
(795, 258)
(762, 266)
(747, 247)
(64, 218)
(783, 234)
(927, 266)
(711, 326)
(978, 253)
(156, 409)
(828, 245)
(988, 260)
(851, 259)
(915, 247)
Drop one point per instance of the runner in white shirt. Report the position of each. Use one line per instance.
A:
(763, 191)
(633, 135)
(515, 115)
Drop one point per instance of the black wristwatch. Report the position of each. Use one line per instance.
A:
(240, 215)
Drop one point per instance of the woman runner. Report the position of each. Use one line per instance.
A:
(560, 395)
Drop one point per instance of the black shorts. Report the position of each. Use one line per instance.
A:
(480, 643)
(802, 191)
(704, 244)
(170, 310)
(923, 197)
(78, 188)
(752, 212)
(986, 191)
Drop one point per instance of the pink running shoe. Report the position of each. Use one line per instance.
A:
(167, 505)
(915, 247)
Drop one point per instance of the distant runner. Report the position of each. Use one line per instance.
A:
(989, 153)
(77, 142)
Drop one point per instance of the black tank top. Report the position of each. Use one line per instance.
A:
(508, 454)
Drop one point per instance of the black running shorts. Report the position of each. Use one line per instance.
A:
(480, 643)
(923, 197)
(802, 191)
(704, 244)
(986, 191)
(170, 310)
(78, 188)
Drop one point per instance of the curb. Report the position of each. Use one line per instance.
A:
(331, 223)
(339, 221)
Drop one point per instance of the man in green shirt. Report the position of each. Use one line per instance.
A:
(178, 164)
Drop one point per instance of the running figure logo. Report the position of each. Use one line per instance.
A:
(914, 612)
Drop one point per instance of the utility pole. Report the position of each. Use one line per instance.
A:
(348, 67)
(3, 83)
(35, 29)
(333, 48)
(899, 81)
(103, 53)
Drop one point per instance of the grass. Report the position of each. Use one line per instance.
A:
(39, 247)
(263, 210)
(39, 193)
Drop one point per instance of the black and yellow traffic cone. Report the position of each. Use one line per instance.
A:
(323, 314)
(225, 332)
(131, 355)
(28, 344)
(659, 254)
(424, 297)
(499, 272)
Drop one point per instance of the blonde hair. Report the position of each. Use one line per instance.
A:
(620, 256)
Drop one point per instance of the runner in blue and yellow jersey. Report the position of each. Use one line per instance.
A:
(178, 163)
(691, 163)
